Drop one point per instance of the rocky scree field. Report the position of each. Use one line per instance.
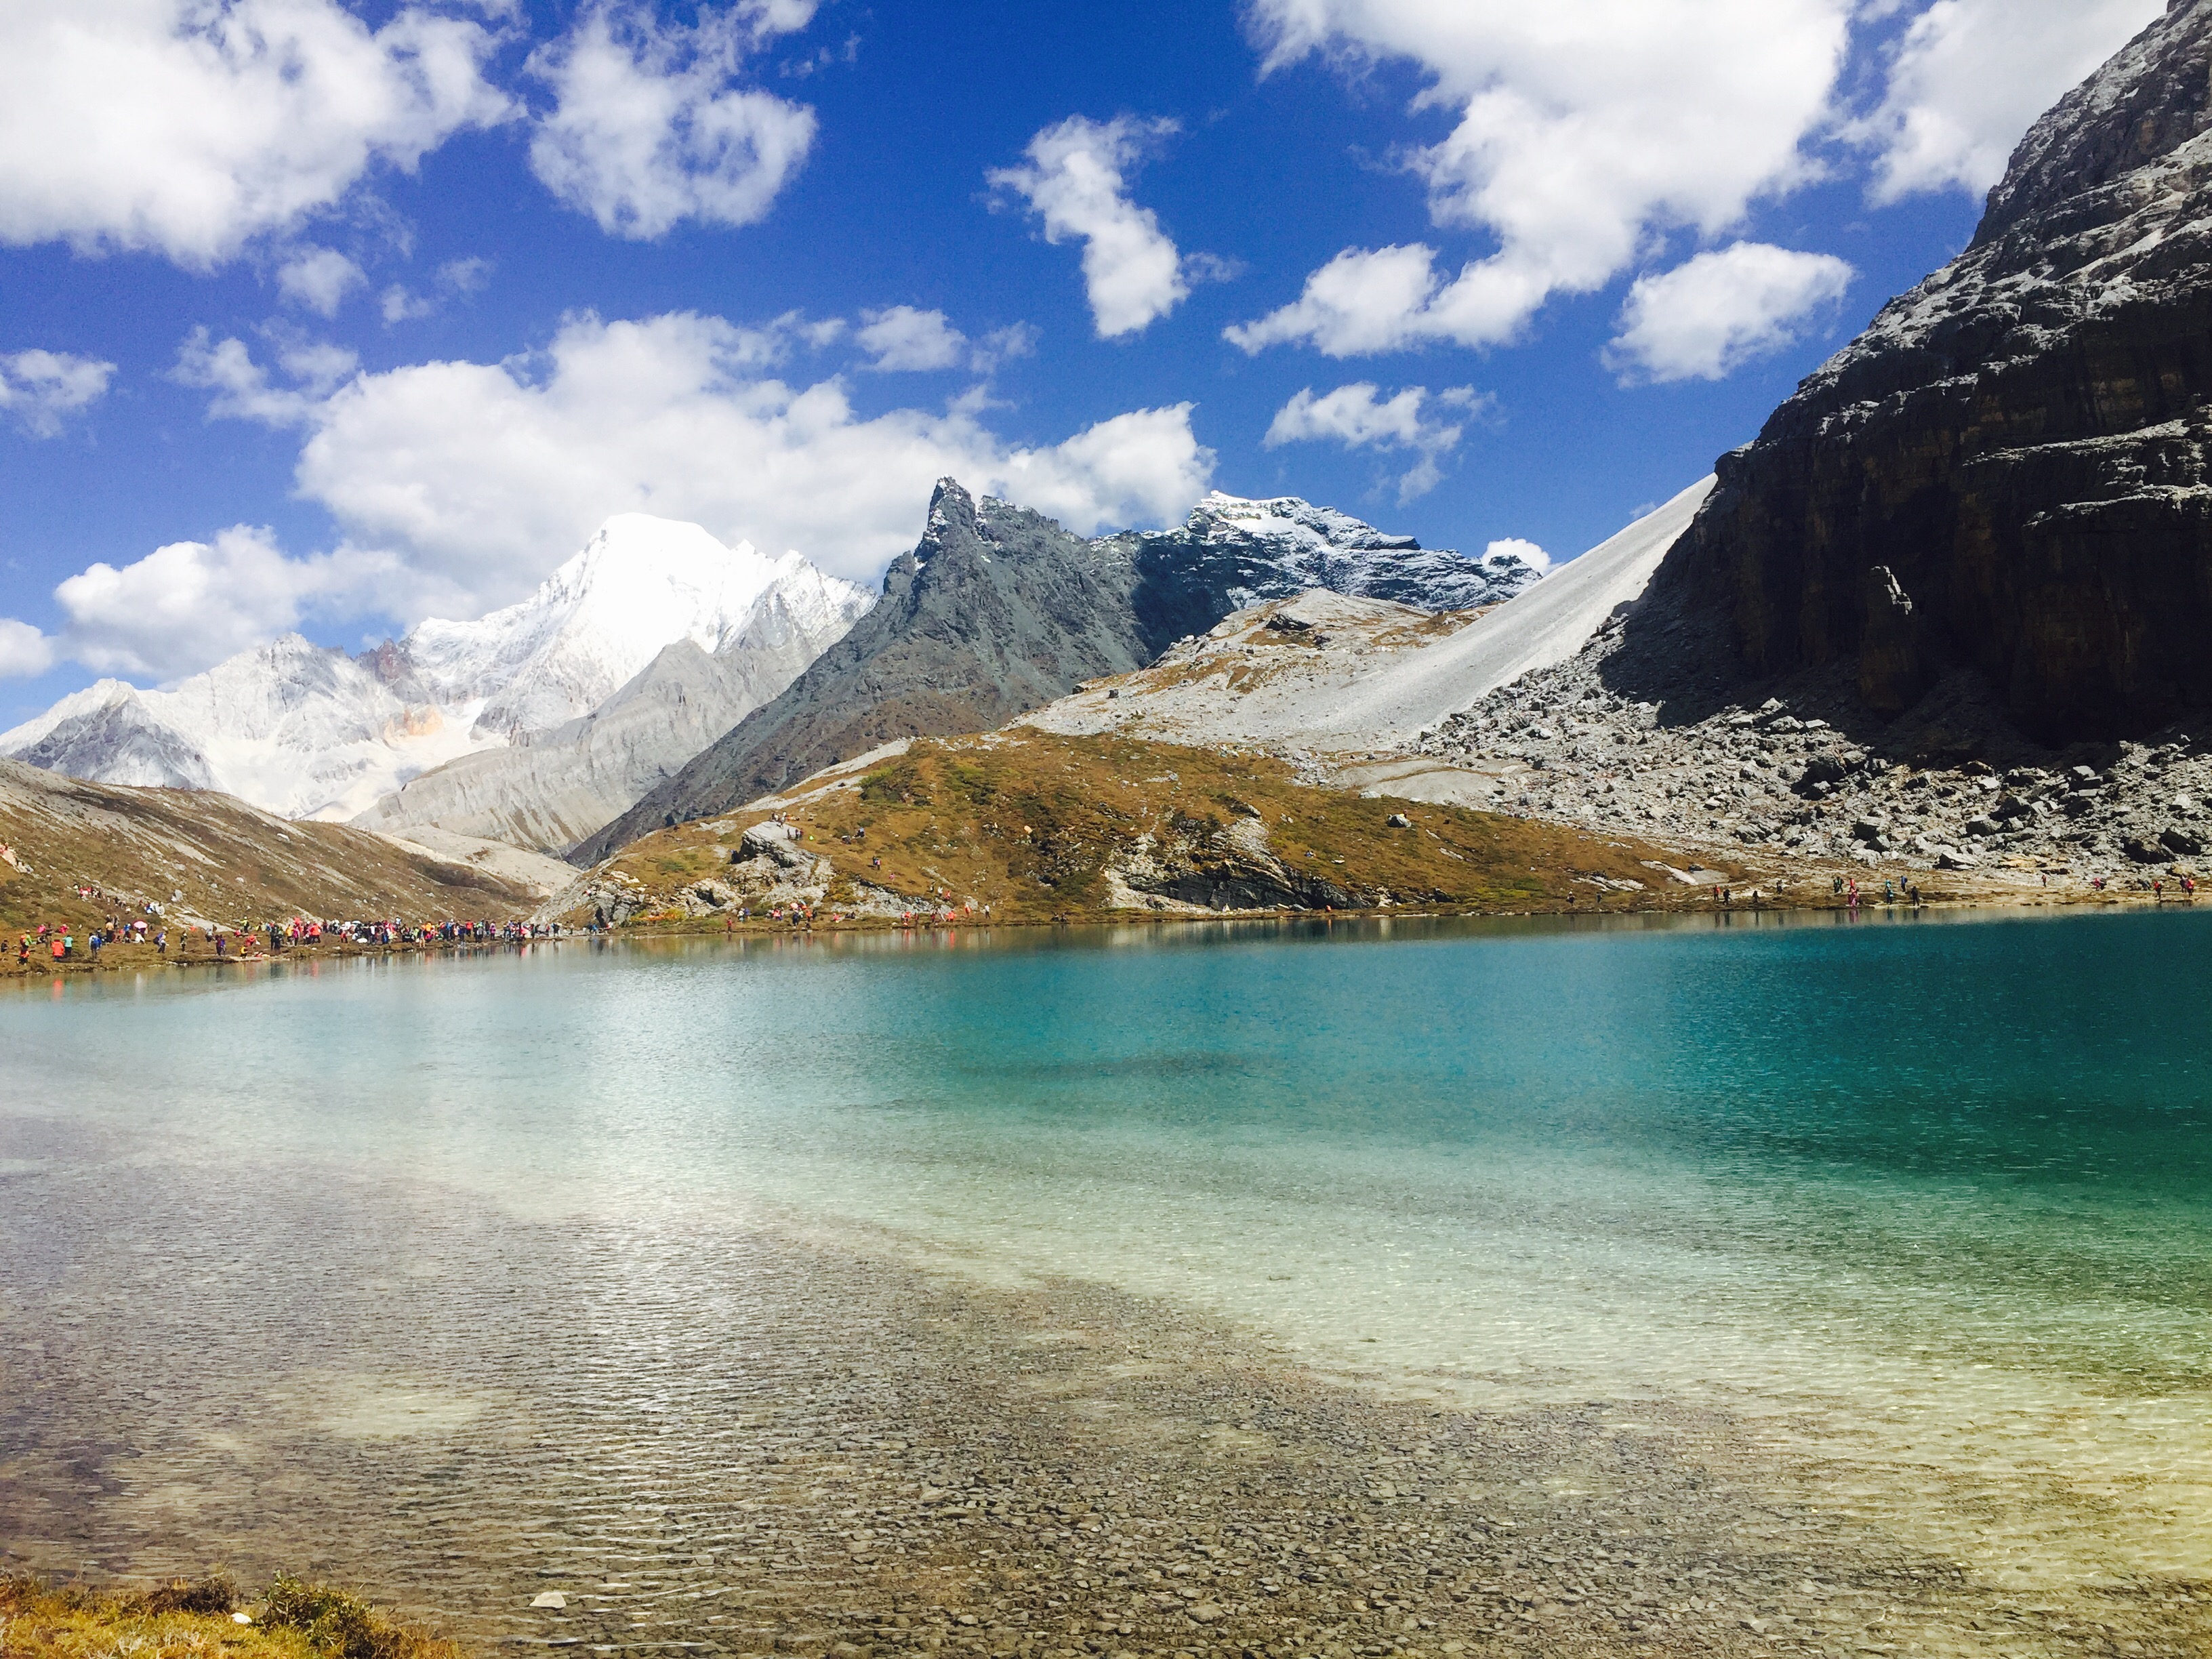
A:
(1021, 826)
(1653, 729)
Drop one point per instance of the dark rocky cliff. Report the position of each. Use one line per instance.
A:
(2007, 473)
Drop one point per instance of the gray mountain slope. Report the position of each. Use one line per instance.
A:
(996, 611)
(559, 786)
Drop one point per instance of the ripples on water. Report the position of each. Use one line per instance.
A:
(1919, 1209)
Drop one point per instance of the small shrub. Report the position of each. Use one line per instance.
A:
(213, 1594)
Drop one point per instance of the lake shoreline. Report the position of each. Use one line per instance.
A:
(141, 958)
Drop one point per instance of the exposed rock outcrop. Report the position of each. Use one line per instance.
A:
(2018, 444)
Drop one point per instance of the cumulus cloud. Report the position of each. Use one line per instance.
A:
(478, 478)
(1970, 76)
(647, 129)
(25, 652)
(318, 279)
(41, 389)
(902, 338)
(1359, 417)
(186, 127)
(190, 605)
(244, 390)
(1712, 314)
(1076, 179)
(1583, 128)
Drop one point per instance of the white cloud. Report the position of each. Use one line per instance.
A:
(319, 279)
(480, 477)
(902, 338)
(1514, 547)
(186, 127)
(25, 652)
(1359, 417)
(647, 129)
(1714, 313)
(1077, 178)
(42, 389)
(242, 388)
(1970, 76)
(191, 603)
(1584, 127)
(1014, 340)
(1361, 301)
(400, 304)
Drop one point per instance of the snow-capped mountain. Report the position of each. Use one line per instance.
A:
(550, 789)
(1272, 549)
(641, 583)
(310, 731)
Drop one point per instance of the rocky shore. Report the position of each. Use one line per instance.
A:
(754, 1439)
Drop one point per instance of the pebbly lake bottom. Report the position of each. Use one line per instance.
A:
(1800, 1287)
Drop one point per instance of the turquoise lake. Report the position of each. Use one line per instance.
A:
(1917, 1204)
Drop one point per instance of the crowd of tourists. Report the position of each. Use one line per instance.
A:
(248, 939)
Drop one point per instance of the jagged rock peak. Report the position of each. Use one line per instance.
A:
(2151, 99)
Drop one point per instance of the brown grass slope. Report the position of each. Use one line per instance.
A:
(231, 861)
(1038, 826)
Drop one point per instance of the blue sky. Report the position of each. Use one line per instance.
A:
(329, 317)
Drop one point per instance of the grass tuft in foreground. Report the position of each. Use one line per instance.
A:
(199, 1619)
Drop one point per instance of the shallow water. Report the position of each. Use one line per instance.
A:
(1918, 1207)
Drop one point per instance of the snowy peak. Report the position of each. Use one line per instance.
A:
(307, 731)
(1232, 552)
(641, 583)
(1290, 518)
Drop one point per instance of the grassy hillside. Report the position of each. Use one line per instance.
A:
(231, 862)
(1036, 826)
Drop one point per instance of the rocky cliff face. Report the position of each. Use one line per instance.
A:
(2007, 473)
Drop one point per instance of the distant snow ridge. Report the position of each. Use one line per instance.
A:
(1288, 545)
(310, 731)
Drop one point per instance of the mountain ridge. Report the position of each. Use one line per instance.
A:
(999, 611)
